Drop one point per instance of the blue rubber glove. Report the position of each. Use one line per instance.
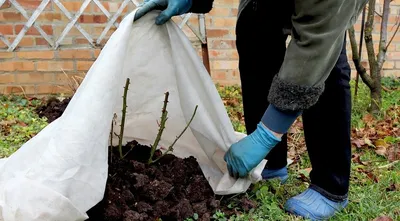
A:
(246, 154)
(169, 9)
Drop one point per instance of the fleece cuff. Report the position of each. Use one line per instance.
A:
(277, 120)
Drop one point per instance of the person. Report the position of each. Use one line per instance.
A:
(310, 77)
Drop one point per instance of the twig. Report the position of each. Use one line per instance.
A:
(360, 48)
(160, 129)
(111, 136)
(388, 165)
(383, 34)
(170, 148)
(391, 39)
(356, 59)
(121, 135)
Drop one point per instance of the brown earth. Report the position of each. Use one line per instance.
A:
(171, 189)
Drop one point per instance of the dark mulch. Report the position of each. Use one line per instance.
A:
(171, 189)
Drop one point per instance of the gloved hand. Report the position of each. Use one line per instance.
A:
(246, 154)
(169, 8)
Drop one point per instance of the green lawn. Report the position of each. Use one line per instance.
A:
(375, 177)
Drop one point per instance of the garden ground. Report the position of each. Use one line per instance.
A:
(375, 175)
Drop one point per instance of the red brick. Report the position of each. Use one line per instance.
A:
(388, 65)
(73, 6)
(222, 44)
(55, 65)
(218, 75)
(227, 54)
(4, 55)
(217, 33)
(81, 41)
(83, 65)
(97, 53)
(48, 29)
(41, 41)
(11, 16)
(92, 19)
(6, 4)
(20, 89)
(17, 66)
(25, 41)
(234, 12)
(34, 78)
(393, 19)
(49, 17)
(46, 89)
(72, 32)
(393, 55)
(105, 5)
(74, 54)
(224, 22)
(224, 65)
(6, 29)
(36, 54)
(33, 4)
(7, 78)
(98, 30)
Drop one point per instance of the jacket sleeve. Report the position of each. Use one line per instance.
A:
(201, 6)
(318, 33)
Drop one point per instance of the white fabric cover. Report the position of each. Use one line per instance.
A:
(61, 173)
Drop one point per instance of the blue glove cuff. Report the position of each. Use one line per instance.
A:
(265, 136)
(277, 120)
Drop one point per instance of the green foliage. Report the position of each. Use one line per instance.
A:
(18, 123)
(390, 99)
(232, 98)
(374, 188)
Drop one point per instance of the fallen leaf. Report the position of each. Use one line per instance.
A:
(383, 218)
(22, 124)
(381, 143)
(356, 159)
(368, 119)
(369, 174)
(368, 142)
(358, 142)
(393, 153)
(382, 151)
(7, 122)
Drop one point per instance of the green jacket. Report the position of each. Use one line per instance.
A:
(318, 30)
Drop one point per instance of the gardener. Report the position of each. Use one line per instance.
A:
(309, 78)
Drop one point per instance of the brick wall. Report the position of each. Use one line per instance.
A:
(34, 68)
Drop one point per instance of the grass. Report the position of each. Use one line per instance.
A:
(375, 180)
(18, 123)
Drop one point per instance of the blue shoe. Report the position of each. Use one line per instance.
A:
(312, 205)
(282, 174)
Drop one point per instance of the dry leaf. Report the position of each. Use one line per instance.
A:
(368, 142)
(358, 142)
(381, 143)
(383, 218)
(382, 151)
(356, 159)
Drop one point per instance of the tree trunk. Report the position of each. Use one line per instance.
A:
(376, 96)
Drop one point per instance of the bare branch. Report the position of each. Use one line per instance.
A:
(369, 43)
(383, 34)
(121, 134)
(356, 59)
(380, 15)
(164, 118)
(394, 34)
